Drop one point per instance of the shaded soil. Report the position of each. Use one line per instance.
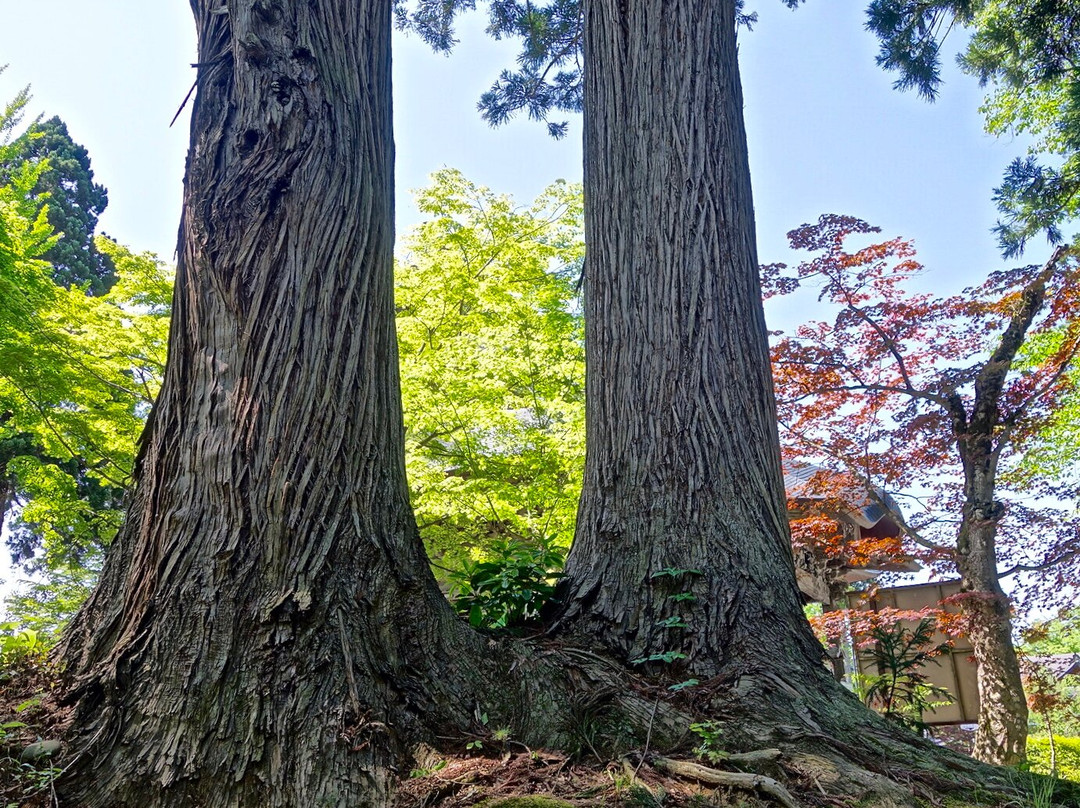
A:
(29, 714)
(457, 782)
(500, 781)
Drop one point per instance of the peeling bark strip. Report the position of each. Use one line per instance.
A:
(682, 465)
(266, 631)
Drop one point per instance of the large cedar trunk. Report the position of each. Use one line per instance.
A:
(267, 631)
(682, 468)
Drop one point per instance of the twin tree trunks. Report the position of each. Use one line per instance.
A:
(267, 631)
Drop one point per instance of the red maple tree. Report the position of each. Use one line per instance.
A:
(934, 400)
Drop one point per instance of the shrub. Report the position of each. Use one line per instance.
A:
(509, 587)
(902, 691)
(1067, 753)
(18, 644)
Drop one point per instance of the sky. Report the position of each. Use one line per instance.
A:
(827, 132)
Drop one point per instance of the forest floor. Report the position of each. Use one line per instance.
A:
(31, 723)
(494, 773)
(550, 780)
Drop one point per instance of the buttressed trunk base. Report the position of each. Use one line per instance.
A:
(267, 631)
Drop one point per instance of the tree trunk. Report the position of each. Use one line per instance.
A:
(267, 631)
(1001, 737)
(682, 469)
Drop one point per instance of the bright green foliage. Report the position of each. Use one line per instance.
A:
(45, 604)
(1029, 52)
(10, 117)
(1054, 703)
(492, 365)
(77, 374)
(1060, 635)
(77, 377)
(900, 690)
(66, 184)
(1053, 452)
(24, 285)
(1066, 753)
(509, 587)
(19, 644)
(23, 665)
(711, 748)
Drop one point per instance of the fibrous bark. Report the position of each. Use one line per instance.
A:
(266, 630)
(682, 469)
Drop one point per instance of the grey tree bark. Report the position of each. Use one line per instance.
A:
(682, 469)
(267, 631)
(981, 434)
(1001, 736)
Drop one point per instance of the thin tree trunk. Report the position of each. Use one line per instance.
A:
(1051, 742)
(1001, 736)
(267, 631)
(682, 468)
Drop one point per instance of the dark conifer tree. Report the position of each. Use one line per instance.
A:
(75, 202)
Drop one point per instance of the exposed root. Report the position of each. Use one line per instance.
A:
(798, 781)
(705, 774)
(622, 738)
(814, 741)
(463, 782)
(757, 756)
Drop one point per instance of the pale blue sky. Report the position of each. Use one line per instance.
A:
(827, 132)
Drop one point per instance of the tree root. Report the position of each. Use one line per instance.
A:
(705, 774)
(757, 756)
(807, 735)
